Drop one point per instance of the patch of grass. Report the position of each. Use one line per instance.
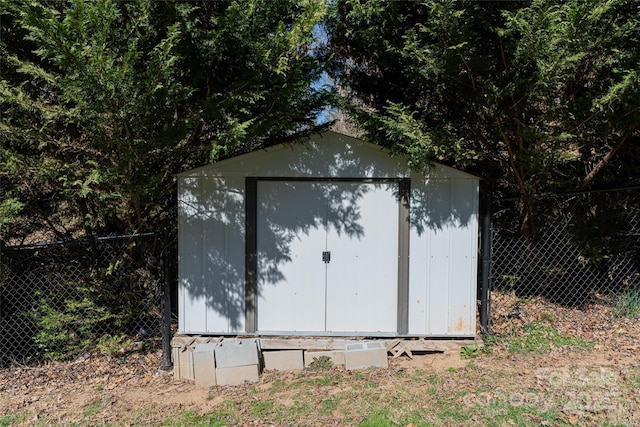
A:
(634, 382)
(628, 303)
(190, 418)
(299, 409)
(325, 380)
(328, 406)
(359, 376)
(381, 418)
(539, 338)
(94, 407)
(281, 385)
(500, 413)
(10, 419)
(452, 414)
(261, 408)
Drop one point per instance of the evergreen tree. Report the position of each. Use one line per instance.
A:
(536, 96)
(103, 102)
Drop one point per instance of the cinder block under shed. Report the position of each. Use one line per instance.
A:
(336, 356)
(366, 354)
(182, 347)
(182, 363)
(204, 365)
(242, 352)
(284, 360)
(237, 375)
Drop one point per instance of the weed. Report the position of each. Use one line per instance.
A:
(451, 369)
(549, 318)
(469, 352)
(628, 303)
(490, 340)
(321, 363)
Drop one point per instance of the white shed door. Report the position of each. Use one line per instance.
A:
(353, 223)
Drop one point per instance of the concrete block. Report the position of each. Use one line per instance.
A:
(182, 363)
(182, 347)
(336, 356)
(204, 365)
(230, 353)
(237, 375)
(283, 360)
(366, 354)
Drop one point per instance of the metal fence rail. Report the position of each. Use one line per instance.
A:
(61, 299)
(588, 250)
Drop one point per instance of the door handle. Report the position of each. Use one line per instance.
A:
(326, 257)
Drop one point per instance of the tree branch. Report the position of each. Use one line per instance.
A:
(607, 158)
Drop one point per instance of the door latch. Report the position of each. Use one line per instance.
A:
(326, 257)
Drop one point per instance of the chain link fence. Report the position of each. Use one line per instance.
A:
(587, 251)
(59, 300)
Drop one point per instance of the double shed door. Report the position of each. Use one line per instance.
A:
(327, 256)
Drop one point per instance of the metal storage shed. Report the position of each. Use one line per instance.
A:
(330, 237)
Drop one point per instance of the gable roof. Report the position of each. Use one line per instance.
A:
(327, 155)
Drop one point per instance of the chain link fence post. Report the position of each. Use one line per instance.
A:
(485, 290)
(166, 305)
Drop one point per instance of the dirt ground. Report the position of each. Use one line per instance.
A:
(132, 390)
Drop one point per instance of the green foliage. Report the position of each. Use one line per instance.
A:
(216, 419)
(261, 409)
(507, 413)
(13, 419)
(321, 363)
(540, 338)
(537, 96)
(627, 304)
(68, 327)
(113, 344)
(469, 352)
(9, 208)
(104, 102)
(379, 419)
(94, 407)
